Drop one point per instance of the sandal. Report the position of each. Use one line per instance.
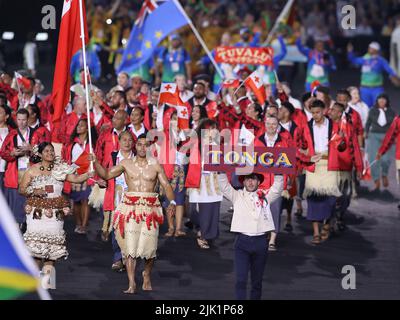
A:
(203, 244)
(104, 236)
(325, 232)
(180, 233)
(170, 233)
(316, 240)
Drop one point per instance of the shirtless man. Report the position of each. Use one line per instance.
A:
(137, 218)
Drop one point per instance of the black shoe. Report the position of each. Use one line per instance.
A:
(118, 266)
(299, 213)
(341, 226)
(189, 225)
(288, 228)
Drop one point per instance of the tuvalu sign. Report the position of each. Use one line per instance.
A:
(257, 160)
(245, 55)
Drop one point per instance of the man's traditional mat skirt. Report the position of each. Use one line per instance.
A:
(136, 222)
(322, 182)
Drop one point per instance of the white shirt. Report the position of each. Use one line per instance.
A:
(36, 125)
(321, 137)
(77, 150)
(137, 133)
(246, 137)
(3, 135)
(287, 126)
(250, 216)
(259, 213)
(160, 117)
(271, 142)
(201, 195)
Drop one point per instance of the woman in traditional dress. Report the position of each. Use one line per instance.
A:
(46, 208)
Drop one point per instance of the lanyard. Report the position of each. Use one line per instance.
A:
(114, 141)
(173, 53)
(26, 138)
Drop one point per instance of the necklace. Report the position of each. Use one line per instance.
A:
(49, 168)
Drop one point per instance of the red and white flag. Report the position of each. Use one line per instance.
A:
(183, 117)
(234, 83)
(255, 83)
(22, 81)
(69, 42)
(169, 94)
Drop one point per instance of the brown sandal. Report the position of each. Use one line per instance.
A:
(170, 233)
(325, 232)
(203, 244)
(180, 233)
(316, 240)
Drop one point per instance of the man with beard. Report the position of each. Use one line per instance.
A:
(200, 99)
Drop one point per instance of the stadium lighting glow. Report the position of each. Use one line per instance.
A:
(8, 35)
(42, 36)
(108, 21)
(124, 41)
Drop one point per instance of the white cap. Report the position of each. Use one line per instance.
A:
(375, 45)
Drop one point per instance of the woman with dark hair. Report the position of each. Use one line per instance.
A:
(6, 123)
(198, 113)
(204, 186)
(76, 153)
(175, 169)
(34, 122)
(380, 117)
(42, 184)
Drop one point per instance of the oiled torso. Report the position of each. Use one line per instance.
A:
(140, 176)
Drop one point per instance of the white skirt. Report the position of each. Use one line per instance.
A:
(45, 237)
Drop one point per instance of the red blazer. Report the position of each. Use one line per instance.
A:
(11, 176)
(227, 117)
(300, 118)
(41, 135)
(68, 124)
(355, 119)
(281, 142)
(193, 177)
(107, 143)
(391, 137)
(333, 150)
(351, 157)
(11, 95)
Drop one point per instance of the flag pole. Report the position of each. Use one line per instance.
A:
(19, 89)
(86, 80)
(243, 82)
(278, 21)
(198, 36)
